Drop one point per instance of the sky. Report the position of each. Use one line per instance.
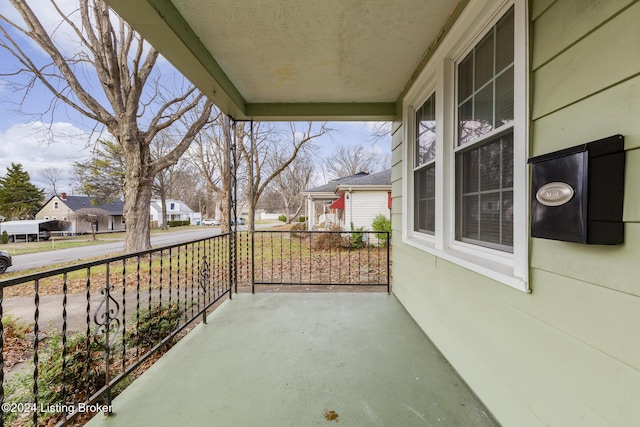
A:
(38, 136)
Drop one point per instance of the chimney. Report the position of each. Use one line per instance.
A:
(63, 196)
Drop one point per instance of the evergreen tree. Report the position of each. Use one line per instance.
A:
(102, 176)
(19, 198)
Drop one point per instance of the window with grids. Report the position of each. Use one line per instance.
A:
(484, 152)
(424, 173)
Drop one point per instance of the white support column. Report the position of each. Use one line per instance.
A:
(311, 209)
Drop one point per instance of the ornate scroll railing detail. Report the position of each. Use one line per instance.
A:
(106, 318)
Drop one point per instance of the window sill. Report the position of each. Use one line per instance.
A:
(485, 262)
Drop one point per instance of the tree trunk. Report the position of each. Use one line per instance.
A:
(137, 196)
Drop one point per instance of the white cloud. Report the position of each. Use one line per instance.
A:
(37, 146)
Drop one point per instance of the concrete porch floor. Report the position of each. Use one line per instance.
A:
(285, 359)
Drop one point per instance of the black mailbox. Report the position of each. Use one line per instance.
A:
(577, 193)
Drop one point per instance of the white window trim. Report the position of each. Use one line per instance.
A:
(439, 77)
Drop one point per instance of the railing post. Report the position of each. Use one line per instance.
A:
(388, 242)
(253, 259)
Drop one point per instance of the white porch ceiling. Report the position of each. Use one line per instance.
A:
(295, 59)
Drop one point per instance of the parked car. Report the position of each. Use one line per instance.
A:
(208, 221)
(5, 261)
(239, 221)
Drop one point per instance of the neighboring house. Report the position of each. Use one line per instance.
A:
(356, 199)
(176, 211)
(545, 332)
(62, 207)
(319, 200)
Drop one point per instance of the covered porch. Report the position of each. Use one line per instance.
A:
(285, 359)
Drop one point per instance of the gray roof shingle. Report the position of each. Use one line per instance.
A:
(331, 186)
(378, 178)
(75, 203)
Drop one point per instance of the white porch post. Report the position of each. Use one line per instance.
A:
(311, 219)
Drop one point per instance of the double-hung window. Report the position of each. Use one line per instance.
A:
(484, 146)
(466, 153)
(424, 173)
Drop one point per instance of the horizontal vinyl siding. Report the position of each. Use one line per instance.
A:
(586, 67)
(605, 57)
(366, 205)
(567, 354)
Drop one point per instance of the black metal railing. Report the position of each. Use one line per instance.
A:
(96, 323)
(335, 258)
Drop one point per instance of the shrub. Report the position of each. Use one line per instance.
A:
(178, 223)
(302, 219)
(282, 218)
(155, 324)
(330, 240)
(299, 226)
(357, 237)
(5, 237)
(382, 223)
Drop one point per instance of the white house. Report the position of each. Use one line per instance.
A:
(362, 199)
(176, 211)
(355, 199)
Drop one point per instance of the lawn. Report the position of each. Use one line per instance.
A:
(55, 243)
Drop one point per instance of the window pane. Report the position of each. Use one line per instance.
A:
(471, 217)
(465, 77)
(467, 127)
(426, 132)
(484, 61)
(504, 41)
(504, 98)
(490, 166)
(483, 111)
(425, 198)
(470, 172)
(507, 218)
(490, 218)
(507, 161)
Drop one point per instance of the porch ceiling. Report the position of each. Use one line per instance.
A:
(290, 60)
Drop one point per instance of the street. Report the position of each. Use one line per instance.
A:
(28, 261)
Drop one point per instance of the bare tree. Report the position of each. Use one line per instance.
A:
(380, 131)
(51, 176)
(123, 64)
(293, 180)
(268, 144)
(351, 159)
(210, 156)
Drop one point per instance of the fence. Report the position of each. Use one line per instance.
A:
(337, 258)
(95, 323)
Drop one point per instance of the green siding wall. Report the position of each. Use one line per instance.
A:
(568, 354)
